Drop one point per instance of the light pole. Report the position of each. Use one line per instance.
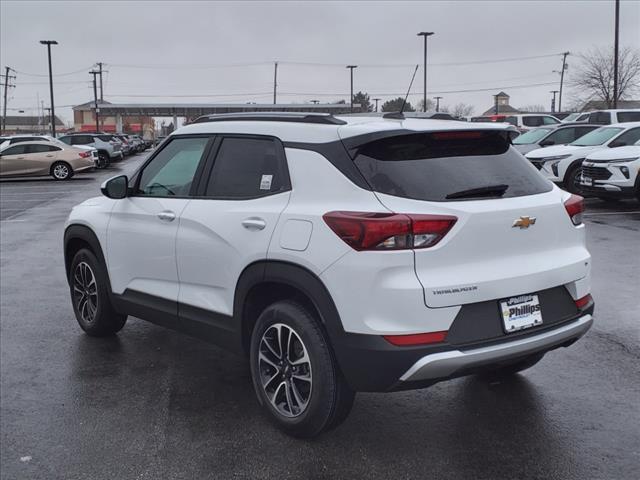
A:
(351, 67)
(377, 100)
(615, 56)
(424, 93)
(48, 43)
(437, 99)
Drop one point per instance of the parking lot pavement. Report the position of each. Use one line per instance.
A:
(151, 403)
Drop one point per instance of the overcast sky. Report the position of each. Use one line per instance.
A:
(174, 50)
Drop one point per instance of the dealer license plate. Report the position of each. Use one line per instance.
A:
(521, 312)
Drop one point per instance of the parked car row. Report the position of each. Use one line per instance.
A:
(22, 155)
(604, 162)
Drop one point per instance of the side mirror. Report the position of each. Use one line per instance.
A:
(546, 143)
(115, 187)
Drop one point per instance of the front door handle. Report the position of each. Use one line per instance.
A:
(254, 223)
(167, 216)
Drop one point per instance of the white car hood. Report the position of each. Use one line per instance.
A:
(561, 150)
(630, 151)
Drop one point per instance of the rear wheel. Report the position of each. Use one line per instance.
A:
(90, 296)
(103, 160)
(61, 171)
(294, 374)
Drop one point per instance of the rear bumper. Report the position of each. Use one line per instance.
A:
(371, 364)
(448, 364)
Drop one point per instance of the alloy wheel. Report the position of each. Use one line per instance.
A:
(285, 370)
(85, 291)
(61, 171)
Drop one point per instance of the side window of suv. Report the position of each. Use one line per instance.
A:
(627, 138)
(602, 118)
(532, 121)
(248, 168)
(172, 171)
(549, 121)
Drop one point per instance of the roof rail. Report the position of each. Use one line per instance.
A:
(296, 117)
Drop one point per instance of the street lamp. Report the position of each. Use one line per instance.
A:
(424, 96)
(351, 67)
(48, 43)
(437, 99)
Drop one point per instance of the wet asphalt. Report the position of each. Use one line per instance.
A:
(155, 404)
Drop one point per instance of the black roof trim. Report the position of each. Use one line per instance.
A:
(302, 117)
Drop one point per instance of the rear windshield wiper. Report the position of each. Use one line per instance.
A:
(488, 191)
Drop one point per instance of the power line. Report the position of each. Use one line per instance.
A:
(323, 64)
(82, 70)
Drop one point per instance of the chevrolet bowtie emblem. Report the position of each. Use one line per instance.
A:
(524, 222)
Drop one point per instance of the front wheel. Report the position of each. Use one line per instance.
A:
(294, 373)
(103, 160)
(90, 296)
(572, 179)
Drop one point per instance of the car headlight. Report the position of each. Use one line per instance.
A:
(557, 157)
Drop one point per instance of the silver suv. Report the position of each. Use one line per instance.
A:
(108, 149)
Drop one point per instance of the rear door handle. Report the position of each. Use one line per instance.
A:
(167, 216)
(254, 223)
(50, 155)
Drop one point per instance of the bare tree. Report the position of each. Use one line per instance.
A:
(461, 110)
(532, 108)
(594, 76)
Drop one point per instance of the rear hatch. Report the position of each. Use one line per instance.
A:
(512, 236)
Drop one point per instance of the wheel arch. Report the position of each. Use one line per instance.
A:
(77, 237)
(265, 282)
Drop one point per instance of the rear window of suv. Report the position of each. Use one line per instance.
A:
(431, 166)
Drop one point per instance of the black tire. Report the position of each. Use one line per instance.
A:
(512, 369)
(103, 160)
(328, 397)
(95, 315)
(61, 171)
(572, 179)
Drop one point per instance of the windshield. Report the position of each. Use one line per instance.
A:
(532, 136)
(596, 137)
(442, 166)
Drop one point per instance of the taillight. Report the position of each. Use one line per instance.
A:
(575, 208)
(85, 154)
(416, 339)
(583, 302)
(388, 231)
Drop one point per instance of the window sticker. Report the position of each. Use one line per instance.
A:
(265, 183)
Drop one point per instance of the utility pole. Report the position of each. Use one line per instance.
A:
(615, 56)
(48, 43)
(564, 67)
(6, 84)
(351, 67)
(424, 93)
(376, 100)
(496, 108)
(437, 99)
(553, 101)
(101, 91)
(275, 81)
(95, 99)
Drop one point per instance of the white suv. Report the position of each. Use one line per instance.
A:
(612, 173)
(562, 163)
(339, 254)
